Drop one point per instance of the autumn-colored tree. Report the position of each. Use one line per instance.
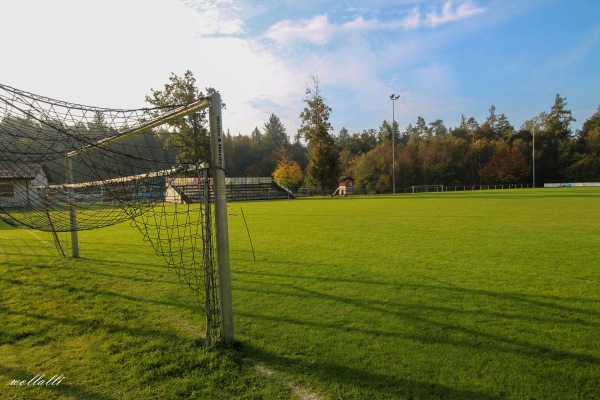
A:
(507, 165)
(288, 173)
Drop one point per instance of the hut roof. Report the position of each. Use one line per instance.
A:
(11, 170)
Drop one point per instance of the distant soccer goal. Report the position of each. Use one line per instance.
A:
(303, 192)
(427, 188)
(67, 167)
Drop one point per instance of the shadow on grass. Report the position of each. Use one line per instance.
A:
(93, 324)
(448, 321)
(136, 278)
(117, 247)
(536, 300)
(333, 375)
(475, 339)
(93, 293)
(49, 258)
(142, 267)
(91, 265)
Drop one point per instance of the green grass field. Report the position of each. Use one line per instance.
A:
(478, 295)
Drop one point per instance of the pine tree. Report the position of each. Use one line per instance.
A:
(275, 134)
(322, 156)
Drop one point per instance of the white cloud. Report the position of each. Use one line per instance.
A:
(100, 53)
(218, 16)
(253, 81)
(316, 30)
(319, 30)
(413, 20)
(112, 53)
(452, 12)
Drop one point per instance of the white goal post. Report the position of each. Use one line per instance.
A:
(221, 224)
(214, 105)
(87, 167)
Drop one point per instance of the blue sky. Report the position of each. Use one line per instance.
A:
(444, 58)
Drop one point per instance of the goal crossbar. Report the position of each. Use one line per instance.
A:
(146, 126)
(154, 174)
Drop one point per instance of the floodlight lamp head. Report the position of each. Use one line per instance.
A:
(394, 96)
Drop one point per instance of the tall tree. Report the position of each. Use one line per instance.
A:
(275, 134)
(345, 156)
(504, 128)
(559, 119)
(461, 131)
(385, 132)
(422, 127)
(554, 148)
(438, 129)
(189, 135)
(587, 166)
(256, 136)
(275, 144)
(472, 127)
(492, 119)
(315, 126)
(341, 140)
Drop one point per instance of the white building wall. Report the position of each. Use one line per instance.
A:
(25, 192)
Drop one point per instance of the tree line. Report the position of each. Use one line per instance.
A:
(473, 153)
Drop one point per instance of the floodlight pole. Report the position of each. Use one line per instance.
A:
(533, 155)
(222, 230)
(394, 97)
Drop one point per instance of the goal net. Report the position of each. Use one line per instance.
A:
(66, 167)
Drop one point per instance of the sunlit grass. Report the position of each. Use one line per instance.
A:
(116, 323)
(481, 295)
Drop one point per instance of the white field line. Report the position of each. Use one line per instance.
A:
(298, 392)
(34, 233)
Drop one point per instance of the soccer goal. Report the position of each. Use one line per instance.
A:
(427, 188)
(67, 167)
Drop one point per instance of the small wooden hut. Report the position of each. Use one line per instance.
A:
(345, 186)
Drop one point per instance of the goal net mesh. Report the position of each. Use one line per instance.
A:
(66, 167)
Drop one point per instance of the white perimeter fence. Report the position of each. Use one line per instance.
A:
(572, 184)
(439, 188)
